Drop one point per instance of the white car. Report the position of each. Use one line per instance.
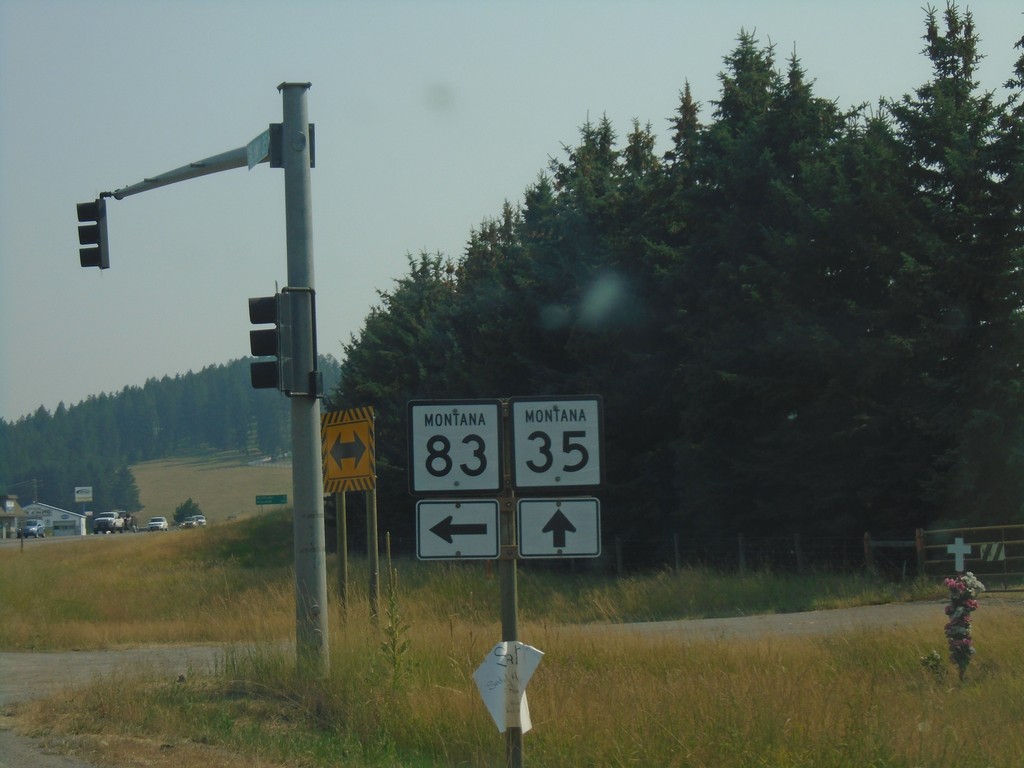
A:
(157, 524)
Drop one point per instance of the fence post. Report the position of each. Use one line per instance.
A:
(869, 554)
(919, 546)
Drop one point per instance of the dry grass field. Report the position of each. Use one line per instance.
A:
(400, 691)
(225, 486)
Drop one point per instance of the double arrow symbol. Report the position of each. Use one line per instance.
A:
(353, 450)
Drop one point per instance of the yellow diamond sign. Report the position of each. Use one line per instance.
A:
(347, 450)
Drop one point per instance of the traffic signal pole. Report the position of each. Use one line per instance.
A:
(288, 146)
(311, 640)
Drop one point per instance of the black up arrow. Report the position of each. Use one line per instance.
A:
(557, 527)
(446, 529)
(354, 450)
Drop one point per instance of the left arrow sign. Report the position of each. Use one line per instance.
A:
(457, 529)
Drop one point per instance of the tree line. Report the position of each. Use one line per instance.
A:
(94, 443)
(800, 318)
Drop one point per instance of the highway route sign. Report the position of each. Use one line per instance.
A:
(569, 527)
(454, 446)
(460, 529)
(556, 443)
(347, 447)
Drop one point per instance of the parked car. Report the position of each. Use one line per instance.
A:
(157, 524)
(34, 528)
(109, 522)
(195, 521)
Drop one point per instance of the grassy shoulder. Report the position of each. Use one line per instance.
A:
(400, 690)
(232, 582)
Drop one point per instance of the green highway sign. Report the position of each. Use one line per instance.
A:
(264, 500)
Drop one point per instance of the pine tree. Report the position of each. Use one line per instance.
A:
(960, 295)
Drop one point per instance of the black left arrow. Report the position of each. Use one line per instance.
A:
(446, 529)
(353, 450)
(557, 526)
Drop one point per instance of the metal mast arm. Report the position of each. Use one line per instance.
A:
(235, 158)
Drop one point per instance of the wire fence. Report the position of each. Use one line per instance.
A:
(993, 553)
(793, 553)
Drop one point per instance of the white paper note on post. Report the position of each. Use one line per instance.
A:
(502, 679)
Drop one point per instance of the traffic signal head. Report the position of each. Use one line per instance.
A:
(92, 232)
(270, 342)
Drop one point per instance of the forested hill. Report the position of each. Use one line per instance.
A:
(93, 443)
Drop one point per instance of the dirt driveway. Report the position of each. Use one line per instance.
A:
(32, 675)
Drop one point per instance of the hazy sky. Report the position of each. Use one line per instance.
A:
(429, 115)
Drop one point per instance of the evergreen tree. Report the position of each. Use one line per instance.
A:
(960, 296)
(401, 354)
(121, 492)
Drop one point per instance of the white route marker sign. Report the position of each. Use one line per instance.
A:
(502, 679)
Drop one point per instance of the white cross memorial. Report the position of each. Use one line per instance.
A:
(958, 549)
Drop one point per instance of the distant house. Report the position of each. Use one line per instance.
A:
(10, 513)
(58, 522)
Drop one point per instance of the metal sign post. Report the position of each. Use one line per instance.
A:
(508, 578)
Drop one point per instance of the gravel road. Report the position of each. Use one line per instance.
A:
(31, 675)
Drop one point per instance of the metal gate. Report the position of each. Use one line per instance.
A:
(995, 554)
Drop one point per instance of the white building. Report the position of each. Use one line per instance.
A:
(58, 522)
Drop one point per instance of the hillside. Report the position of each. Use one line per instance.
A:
(224, 485)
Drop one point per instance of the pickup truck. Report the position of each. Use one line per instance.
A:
(109, 522)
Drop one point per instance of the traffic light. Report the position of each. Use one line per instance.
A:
(270, 342)
(92, 231)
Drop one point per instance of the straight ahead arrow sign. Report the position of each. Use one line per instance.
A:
(544, 526)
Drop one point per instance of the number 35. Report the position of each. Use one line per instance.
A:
(570, 445)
